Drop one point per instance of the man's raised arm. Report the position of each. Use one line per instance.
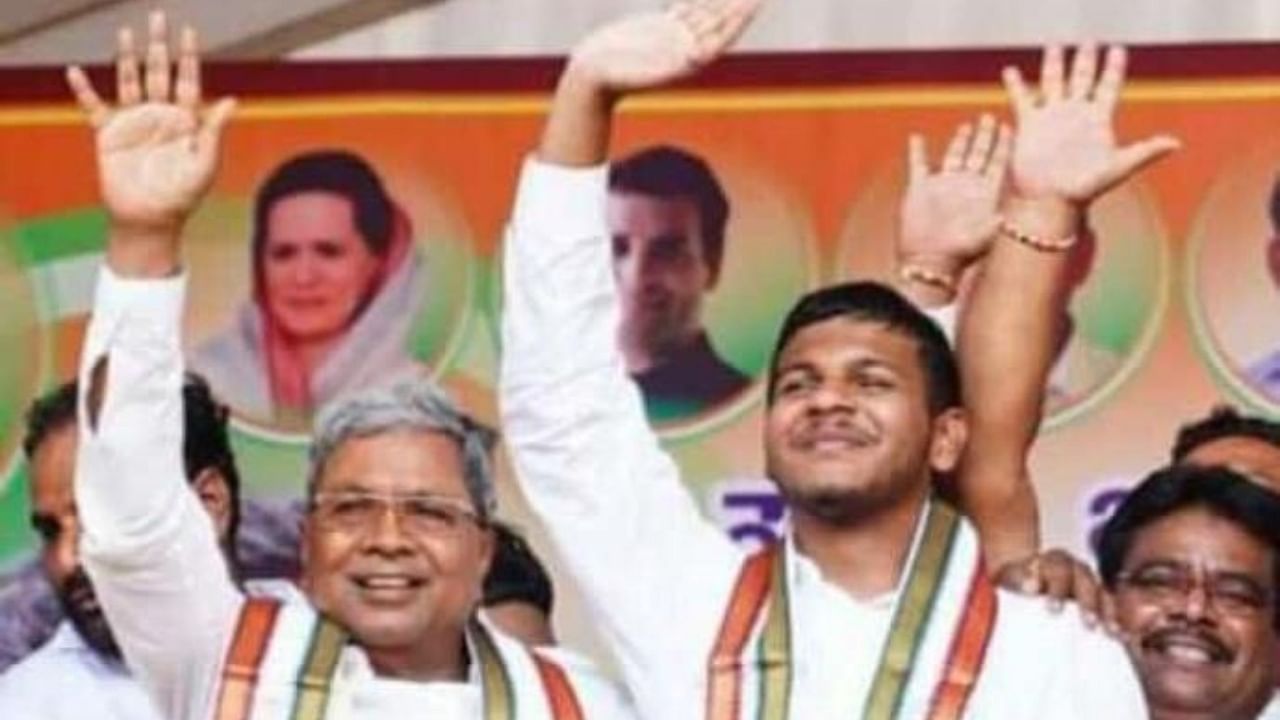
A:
(584, 453)
(1064, 156)
(147, 544)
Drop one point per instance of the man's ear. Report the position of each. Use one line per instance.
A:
(488, 546)
(214, 491)
(949, 435)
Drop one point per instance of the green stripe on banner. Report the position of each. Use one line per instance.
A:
(57, 237)
(16, 539)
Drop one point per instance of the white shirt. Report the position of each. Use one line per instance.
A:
(151, 551)
(654, 571)
(65, 679)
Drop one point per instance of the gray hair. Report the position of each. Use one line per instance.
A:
(414, 405)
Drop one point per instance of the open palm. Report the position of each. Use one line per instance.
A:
(149, 168)
(952, 213)
(1065, 144)
(157, 150)
(653, 49)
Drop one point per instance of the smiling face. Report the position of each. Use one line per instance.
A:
(1196, 600)
(848, 431)
(316, 267)
(396, 585)
(661, 270)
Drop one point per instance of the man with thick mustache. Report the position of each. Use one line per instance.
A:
(876, 603)
(395, 539)
(83, 655)
(1192, 559)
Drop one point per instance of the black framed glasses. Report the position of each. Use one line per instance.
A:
(1168, 583)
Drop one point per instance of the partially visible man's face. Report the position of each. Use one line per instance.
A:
(53, 515)
(396, 578)
(1253, 457)
(849, 428)
(1196, 601)
(661, 270)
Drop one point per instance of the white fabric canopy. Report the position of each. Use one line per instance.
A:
(525, 27)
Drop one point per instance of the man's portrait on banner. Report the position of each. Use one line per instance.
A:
(1233, 277)
(1264, 373)
(683, 247)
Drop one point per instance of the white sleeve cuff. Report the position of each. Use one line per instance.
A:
(570, 200)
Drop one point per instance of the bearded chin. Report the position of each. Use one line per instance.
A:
(831, 506)
(91, 625)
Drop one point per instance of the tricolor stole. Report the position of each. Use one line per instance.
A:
(759, 608)
(284, 657)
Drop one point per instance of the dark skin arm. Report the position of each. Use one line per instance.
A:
(1065, 155)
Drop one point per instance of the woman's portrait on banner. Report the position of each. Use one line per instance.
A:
(338, 290)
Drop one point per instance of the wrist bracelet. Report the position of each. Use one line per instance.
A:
(1038, 243)
(925, 276)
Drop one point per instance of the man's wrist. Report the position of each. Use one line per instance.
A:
(135, 251)
(1050, 218)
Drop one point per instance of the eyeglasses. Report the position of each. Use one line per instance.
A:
(420, 514)
(1168, 583)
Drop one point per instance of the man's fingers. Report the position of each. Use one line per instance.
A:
(1107, 94)
(735, 18)
(209, 137)
(1020, 97)
(998, 163)
(1057, 573)
(92, 105)
(1129, 160)
(128, 84)
(917, 159)
(158, 71)
(1111, 615)
(1087, 592)
(1051, 72)
(186, 90)
(980, 148)
(953, 160)
(715, 25)
(1084, 69)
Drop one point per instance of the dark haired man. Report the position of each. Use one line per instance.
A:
(79, 672)
(1192, 559)
(395, 539)
(518, 594)
(667, 214)
(1248, 444)
(876, 604)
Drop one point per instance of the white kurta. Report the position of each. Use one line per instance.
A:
(151, 551)
(657, 575)
(65, 679)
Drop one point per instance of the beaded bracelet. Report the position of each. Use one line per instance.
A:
(1038, 243)
(925, 276)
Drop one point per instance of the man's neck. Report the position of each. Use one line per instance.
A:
(865, 558)
(425, 661)
(643, 356)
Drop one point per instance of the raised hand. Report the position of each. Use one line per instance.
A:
(1065, 146)
(635, 53)
(948, 217)
(655, 48)
(157, 148)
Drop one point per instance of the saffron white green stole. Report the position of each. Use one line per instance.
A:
(283, 664)
(946, 590)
